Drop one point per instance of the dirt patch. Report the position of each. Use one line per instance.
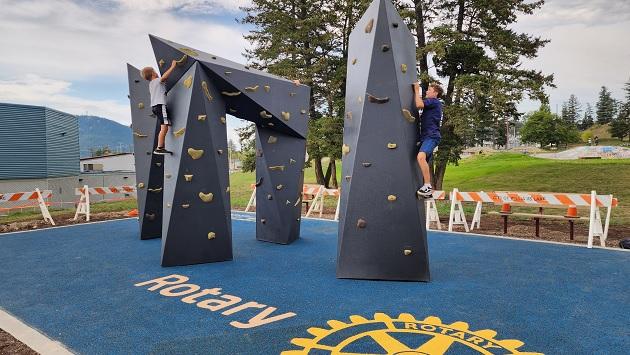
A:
(551, 230)
(11, 346)
(60, 220)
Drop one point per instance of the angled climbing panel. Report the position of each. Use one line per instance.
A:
(149, 167)
(382, 231)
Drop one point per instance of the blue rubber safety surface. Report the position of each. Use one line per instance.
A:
(76, 285)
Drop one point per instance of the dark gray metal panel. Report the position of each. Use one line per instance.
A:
(196, 231)
(382, 227)
(252, 91)
(62, 144)
(22, 141)
(279, 180)
(211, 86)
(149, 167)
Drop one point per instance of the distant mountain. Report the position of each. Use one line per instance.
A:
(98, 132)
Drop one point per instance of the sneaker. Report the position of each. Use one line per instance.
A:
(161, 151)
(425, 191)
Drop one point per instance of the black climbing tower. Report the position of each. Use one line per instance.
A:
(382, 231)
(201, 91)
(149, 167)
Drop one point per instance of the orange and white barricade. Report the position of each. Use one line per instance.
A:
(38, 195)
(83, 206)
(252, 199)
(334, 193)
(317, 202)
(431, 209)
(542, 199)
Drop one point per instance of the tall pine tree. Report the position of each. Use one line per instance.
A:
(605, 106)
(620, 126)
(571, 110)
(587, 119)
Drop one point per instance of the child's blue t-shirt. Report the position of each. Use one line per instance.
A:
(430, 119)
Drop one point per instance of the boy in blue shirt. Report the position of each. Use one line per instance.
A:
(430, 135)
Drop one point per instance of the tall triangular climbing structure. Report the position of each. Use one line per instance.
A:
(382, 231)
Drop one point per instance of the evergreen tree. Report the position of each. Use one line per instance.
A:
(620, 126)
(605, 106)
(587, 120)
(571, 110)
(546, 128)
(476, 51)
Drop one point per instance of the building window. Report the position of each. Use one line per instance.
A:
(93, 167)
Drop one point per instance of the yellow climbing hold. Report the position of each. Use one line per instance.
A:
(188, 82)
(188, 178)
(182, 60)
(408, 116)
(194, 153)
(189, 51)
(392, 145)
(161, 63)
(179, 132)
(286, 115)
(391, 198)
(186, 205)
(231, 94)
(345, 149)
(349, 115)
(206, 92)
(279, 187)
(158, 190)
(206, 197)
(201, 117)
(272, 140)
(407, 252)
(403, 68)
(369, 26)
(141, 185)
(141, 105)
(277, 168)
(139, 135)
(264, 114)
(211, 235)
(252, 88)
(267, 88)
(354, 61)
(222, 119)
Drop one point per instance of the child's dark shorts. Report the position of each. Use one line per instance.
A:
(162, 114)
(428, 145)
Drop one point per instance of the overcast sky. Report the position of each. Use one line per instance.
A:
(72, 55)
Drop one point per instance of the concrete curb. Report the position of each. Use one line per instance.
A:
(30, 336)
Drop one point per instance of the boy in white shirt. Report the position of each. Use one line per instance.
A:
(157, 88)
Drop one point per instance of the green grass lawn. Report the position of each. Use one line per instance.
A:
(517, 172)
(503, 171)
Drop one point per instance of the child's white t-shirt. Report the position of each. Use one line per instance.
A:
(157, 89)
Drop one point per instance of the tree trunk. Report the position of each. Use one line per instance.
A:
(319, 171)
(334, 183)
(328, 173)
(422, 42)
(440, 171)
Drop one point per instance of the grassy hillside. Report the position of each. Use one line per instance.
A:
(523, 173)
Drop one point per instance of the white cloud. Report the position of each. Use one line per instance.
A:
(35, 90)
(186, 6)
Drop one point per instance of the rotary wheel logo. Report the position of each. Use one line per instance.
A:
(404, 335)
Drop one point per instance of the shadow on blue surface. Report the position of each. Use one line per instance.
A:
(77, 286)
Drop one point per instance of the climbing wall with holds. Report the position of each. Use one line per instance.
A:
(197, 219)
(149, 167)
(202, 89)
(382, 231)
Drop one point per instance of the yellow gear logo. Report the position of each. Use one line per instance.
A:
(404, 335)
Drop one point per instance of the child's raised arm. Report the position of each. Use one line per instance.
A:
(417, 95)
(169, 71)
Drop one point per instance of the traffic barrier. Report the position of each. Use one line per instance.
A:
(312, 194)
(432, 215)
(541, 200)
(83, 206)
(38, 195)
